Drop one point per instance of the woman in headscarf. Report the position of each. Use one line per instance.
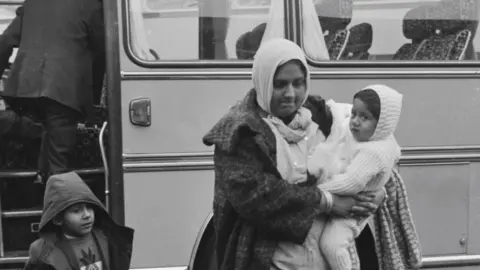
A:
(263, 193)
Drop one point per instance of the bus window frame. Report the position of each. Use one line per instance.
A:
(374, 63)
(11, 2)
(195, 64)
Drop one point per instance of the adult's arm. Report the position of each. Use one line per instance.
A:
(96, 29)
(10, 39)
(261, 197)
(98, 75)
(96, 40)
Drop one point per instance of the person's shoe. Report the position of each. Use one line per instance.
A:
(39, 179)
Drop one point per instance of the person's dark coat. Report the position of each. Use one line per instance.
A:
(58, 42)
(253, 207)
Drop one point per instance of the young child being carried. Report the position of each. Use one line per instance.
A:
(76, 231)
(359, 155)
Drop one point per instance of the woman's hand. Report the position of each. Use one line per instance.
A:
(342, 205)
(368, 203)
(361, 205)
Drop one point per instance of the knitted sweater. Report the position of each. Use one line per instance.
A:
(369, 169)
(370, 163)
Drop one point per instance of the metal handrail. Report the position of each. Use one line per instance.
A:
(105, 162)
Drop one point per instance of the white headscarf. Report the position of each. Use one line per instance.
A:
(390, 110)
(272, 54)
(269, 57)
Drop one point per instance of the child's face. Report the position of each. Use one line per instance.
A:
(362, 122)
(78, 220)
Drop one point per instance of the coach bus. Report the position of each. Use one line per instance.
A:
(175, 66)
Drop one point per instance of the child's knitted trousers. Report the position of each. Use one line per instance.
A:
(338, 235)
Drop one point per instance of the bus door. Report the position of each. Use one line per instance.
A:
(21, 197)
(183, 64)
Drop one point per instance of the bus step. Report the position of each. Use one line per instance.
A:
(23, 154)
(19, 231)
(8, 174)
(14, 257)
(22, 213)
(18, 194)
(14, 260)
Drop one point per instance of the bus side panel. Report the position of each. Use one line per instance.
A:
(439, 195)
(168, 208)
(182, 112)
(437, 112)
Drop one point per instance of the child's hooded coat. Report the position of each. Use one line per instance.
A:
(49, 251)
(370, 163)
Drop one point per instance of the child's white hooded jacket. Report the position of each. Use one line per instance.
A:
(370, 163)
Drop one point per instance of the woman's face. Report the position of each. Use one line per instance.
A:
(289, 88)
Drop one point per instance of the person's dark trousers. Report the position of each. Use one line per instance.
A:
(59, 139)
(13, 125)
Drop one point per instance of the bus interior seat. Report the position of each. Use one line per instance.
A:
(343, 43)
(334, 17)
(248, 43)
(359, 42)
(440, 31)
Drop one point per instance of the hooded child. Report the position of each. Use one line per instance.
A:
(365, 155)
(76, 232)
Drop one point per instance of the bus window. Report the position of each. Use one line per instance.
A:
(392, 30)
(192, 30)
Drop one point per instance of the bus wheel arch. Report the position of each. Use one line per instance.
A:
(203, 257)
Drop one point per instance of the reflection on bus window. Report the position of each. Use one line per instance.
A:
(189, 30)
(399, 30)
(139, 42)
(7, 14)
